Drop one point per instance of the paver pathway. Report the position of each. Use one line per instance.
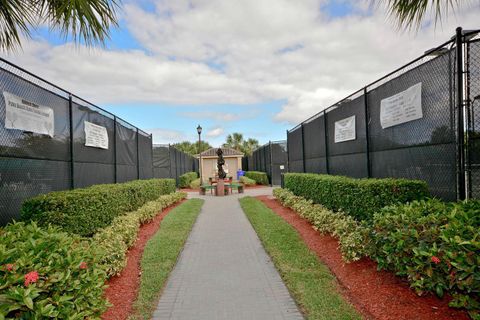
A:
(224, 272)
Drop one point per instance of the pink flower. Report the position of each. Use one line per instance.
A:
(435, 260)
(31, 277)
(9, 266)
(83, 265)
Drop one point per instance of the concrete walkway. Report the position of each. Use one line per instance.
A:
(223, 271)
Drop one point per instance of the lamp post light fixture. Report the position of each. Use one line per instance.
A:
(199, 131)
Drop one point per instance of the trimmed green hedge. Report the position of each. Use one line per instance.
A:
(259, 177)
(247, 181)
(84, 211)
(359, 198)
(187, 178)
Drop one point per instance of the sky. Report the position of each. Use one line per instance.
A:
(258, 67)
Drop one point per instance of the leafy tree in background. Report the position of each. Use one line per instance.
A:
(410, 13)
(237, 142)
(192, 148)
(88, 21)
(249, 146)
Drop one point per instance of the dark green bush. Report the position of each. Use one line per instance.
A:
(84, 211)
(359, 198)
(435, 245)
(259, 177)
(48, 274)
(187, 178)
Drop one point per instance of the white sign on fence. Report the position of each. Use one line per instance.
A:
(27, 116)
(95, 135)
(345, 129)
(403, 107)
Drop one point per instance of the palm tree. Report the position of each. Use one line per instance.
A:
(192, 147)
(249, 146)
(234, 141)
(88, 21)
(410, 13)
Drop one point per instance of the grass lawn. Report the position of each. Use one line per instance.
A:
(308, 280)
(161, 252)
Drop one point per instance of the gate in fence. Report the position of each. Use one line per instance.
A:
(270, 158)
(408, 124)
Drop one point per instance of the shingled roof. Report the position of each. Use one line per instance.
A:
(212, 152)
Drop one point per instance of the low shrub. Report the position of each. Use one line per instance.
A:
(247, 181)
(435, 245)
(187, 178)
(259, 177)
(195, 184)
(359, 198)
(353, 236)
(113, 241)
(46, 273)
(84, 211)
(112, 251)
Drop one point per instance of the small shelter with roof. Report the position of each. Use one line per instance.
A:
(208, 163)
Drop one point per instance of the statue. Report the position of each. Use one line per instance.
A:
(220, 163)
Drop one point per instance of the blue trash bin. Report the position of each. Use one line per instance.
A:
(240, 173)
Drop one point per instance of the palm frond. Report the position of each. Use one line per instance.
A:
(87, 21)
(15, 18)
(410, 13)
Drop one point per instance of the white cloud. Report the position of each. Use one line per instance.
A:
(215, 132)
(240, 52)
(218, 115)
(164, 136)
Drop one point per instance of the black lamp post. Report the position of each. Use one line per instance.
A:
(199, 131)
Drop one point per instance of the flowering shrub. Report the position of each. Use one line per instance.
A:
(353, 236)
(45, 273)
(435, 245)
(113, 241)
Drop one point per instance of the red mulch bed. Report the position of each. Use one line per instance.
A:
(376, 294)
(123, 289)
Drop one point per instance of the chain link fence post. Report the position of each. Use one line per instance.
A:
(460, 115)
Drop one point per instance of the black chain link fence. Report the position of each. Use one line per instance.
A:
(33, 163)
(473, 103)
(168, 162)
(270, 158)
(425, 148)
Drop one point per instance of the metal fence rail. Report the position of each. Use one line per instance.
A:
(429, 148)
(270, 158)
